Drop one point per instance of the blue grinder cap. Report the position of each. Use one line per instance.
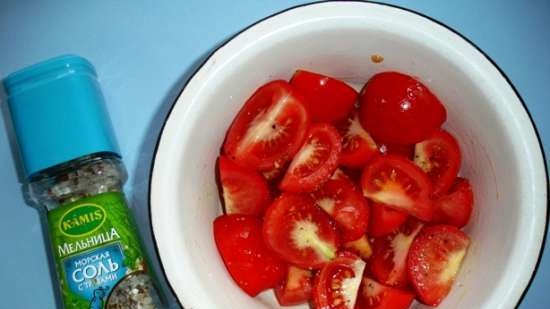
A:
(58, 113)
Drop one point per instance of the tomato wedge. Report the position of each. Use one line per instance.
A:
(434, 260)
(296, 288)
(396, 182)
(439, 156)
(315, 162)
(406, 151)
(374, 295)
(455, 208)
(326, 99)
(253, 267)
(358, 147)
(384, 220)
(346, 206)
(299, 231)
(337, 284)
(397, 108)
(269, 128)
(389, 258)
(244, 190)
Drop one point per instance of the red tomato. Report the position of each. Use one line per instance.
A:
(337, 284)
(251, 264)
(398, 183)
(269, 128)
(342, 176)
(346, 206)
(396, 108)
(315, 161)
(384, 220)
(389, 258)
(360, 247)
(326, 99)
(244, 190)
(299, 231)
(455, 208)
(434, 260)
(296, 288)
(358, 147)
(374, 295)
(439, 156)
(406, 151)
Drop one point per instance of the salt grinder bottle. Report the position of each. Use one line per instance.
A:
(74, 175)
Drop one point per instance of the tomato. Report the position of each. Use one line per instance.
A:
(374, 295)
(337, 284)
(389, 258)
(358, 147)
(326, 99)
(346, 206)
(406, 151)
(455, 208)
(396, 108)
(269, 128)
(299, 231)
(398, 183)
(434, 260)
(249, 262)
(384, 219)
(244, 190)
(315, 161)
(439, 156)
(360, 246)
(342, 176)
(296, 288)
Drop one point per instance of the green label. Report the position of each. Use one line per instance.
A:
(96, 247)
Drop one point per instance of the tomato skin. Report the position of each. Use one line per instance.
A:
(244, 190)
(406, 151)
(269, 128)
(358, 147)
(374, 295)
(328, 292)
(296, 288)
(398, 183)
(250, 263)
(434, 260)
(396, 108)
(384, 220)
(315, 162)
(326, 99)
(455, 208)
(300, 232)
(439, 156)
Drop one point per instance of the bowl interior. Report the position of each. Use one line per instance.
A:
(485, 115)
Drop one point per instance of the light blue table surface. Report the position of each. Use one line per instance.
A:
(144, 51)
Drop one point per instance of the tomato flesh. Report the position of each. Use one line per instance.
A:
(439, 156)
(398, 183)
(406, 151)
(434, 260)
(296, 288)
(250, 263)
(374, 295)
(358, 147)
(269, 128)
(315, 162)
(326, 99)
(455, 208)
(397, 108)
(300, 232)
(384, 219)
(360, 246)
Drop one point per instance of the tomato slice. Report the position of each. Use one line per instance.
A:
(398, 183)
(455, 208)
(315, 162)
(434, 260)
(389, 258)
(358, 147)
(374, 295)
(384, 220)
(406, 151)
(396, 108)
(296, 288)
(244, 190)
(360, 247)
(337, 284)
(326, 99)
(299, 231)
(269, 128)
(249, 262)
(439, 156)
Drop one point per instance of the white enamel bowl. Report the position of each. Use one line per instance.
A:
(501, 154)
